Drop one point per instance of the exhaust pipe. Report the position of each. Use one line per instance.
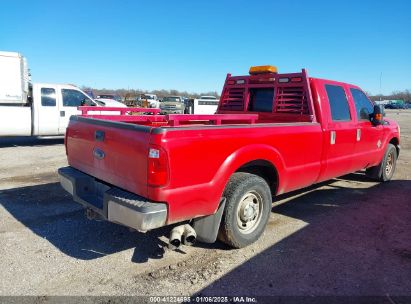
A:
(189, 236)
(176, 236)
(183, 234)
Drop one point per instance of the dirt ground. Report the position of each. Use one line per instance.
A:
(349, 236)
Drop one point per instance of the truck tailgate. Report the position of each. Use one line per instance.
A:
(113, 152)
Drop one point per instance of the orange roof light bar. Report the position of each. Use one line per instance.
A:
(262, 69)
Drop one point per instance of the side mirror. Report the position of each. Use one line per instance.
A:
(377, 116)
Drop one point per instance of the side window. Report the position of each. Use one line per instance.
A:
(48, 97)
(74, 98)
(340, 110)
(363, 105)
(261, 100)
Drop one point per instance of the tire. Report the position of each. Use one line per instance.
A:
(247, 209)
(385, 170)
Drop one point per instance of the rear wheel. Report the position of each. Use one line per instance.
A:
(385, 170)
(247, 210)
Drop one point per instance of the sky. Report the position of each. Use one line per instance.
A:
(192, 45)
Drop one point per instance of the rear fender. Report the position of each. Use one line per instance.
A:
(243, 156)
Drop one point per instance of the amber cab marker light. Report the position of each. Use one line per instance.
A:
(262, 69)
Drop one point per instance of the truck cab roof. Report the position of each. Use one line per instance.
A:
(66, 85)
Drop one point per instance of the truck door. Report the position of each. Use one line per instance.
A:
(45, 110)
(70, 100)
(339, 136)
(369, 145)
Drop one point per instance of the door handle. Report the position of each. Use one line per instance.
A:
(333, 136)
(62, 113)
(358, 134)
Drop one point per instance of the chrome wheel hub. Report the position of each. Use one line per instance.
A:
(389, 164)
(249, 212)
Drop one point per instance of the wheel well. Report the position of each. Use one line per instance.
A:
(394, 141)
(263, 169)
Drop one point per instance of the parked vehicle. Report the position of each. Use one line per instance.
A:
(110, 96)
(172, 105)
(150, 101)
(46, 113)
(35, 109)
(188, 106)
(109, 103)
(202, 105)
(131, 100)
(392, 104)
(273, 133)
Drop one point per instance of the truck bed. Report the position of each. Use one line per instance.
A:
(197, 156)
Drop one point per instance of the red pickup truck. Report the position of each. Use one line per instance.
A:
(272, 133)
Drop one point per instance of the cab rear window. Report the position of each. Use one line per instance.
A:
(48, 97)
(261, 100)
(340, 110)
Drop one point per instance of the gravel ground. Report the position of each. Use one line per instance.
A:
(349, 236)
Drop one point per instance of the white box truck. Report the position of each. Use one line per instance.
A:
(202, 105)
(34, 109)
(14, 78)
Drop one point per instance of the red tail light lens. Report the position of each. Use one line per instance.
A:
(157, 167)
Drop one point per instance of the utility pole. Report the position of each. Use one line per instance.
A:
(380, 85)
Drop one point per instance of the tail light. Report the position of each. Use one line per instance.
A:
(157, 167)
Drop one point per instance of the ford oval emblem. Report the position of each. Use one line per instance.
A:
(98, 153)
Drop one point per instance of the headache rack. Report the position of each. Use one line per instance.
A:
(291, 94)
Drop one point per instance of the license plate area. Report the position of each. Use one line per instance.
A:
(92, 192)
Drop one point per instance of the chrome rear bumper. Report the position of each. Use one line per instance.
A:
(112, 203)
